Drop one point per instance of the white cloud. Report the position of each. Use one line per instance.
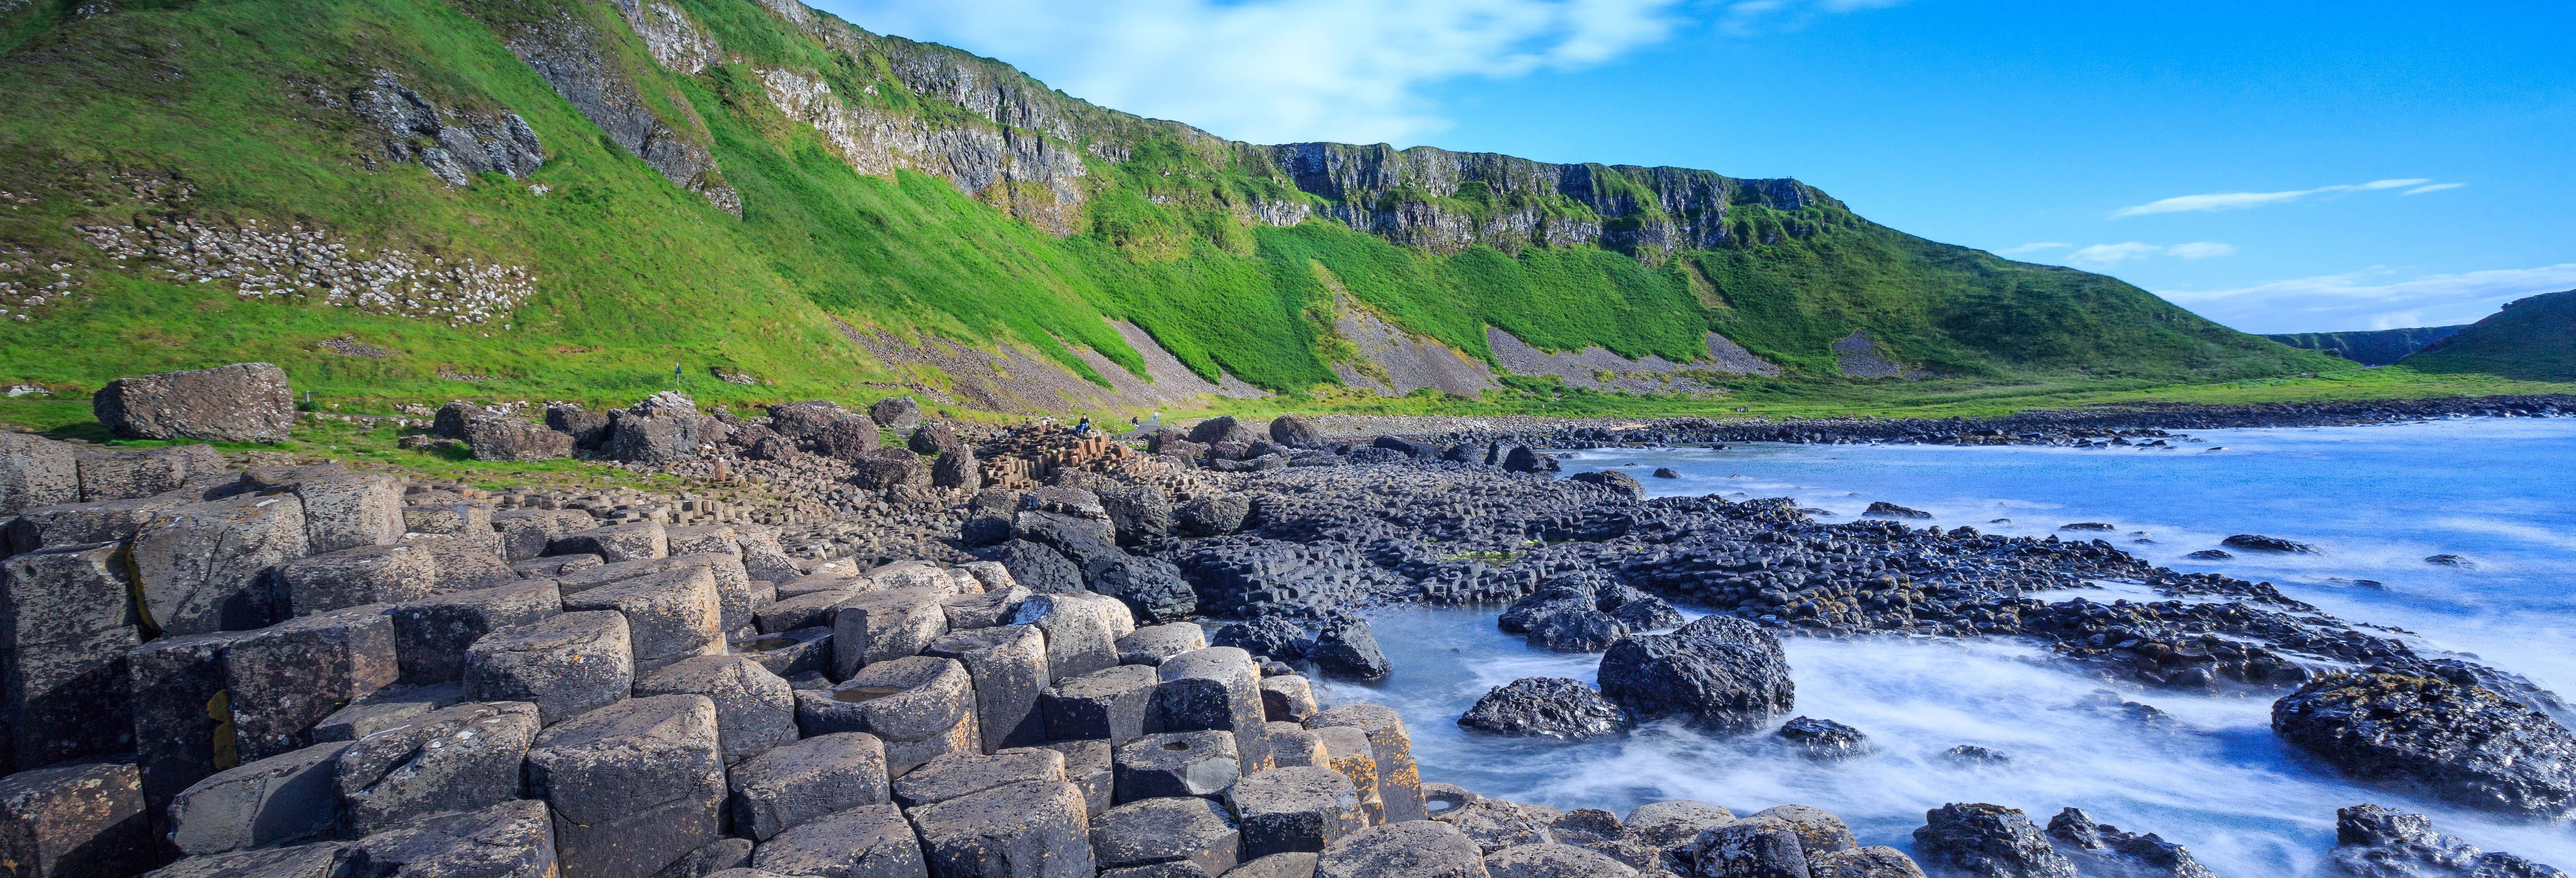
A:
(1274, 71)
(2372, 298)
(1746, 18)
(2243, 200)
(2437, 187)
(2113, 254)
(2033, 248)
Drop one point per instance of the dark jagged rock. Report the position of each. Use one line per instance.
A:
(1272, 636)
(2449, 560)
(1222, 428)
(2261, 543)
(1825, 739)
(1295, 431)
(1614, 480)
(2100, 848)
(1665, 472)
(1719, 673)
(2463, 743)
(2210, 555)
(2372, 841)
(1040, 568)
(1151, 587)
(1552, 707)
(1973, 755)
(1578, 630)
(1884, 509)
(1989, 841)
(1210, 516)
(1346, 649)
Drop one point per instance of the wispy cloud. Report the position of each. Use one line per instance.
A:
(2216, 201)
(2113, 254)
(1751, 17)
(2377, 297)
(1274, 71)
(2105, 255)
(2033, 248)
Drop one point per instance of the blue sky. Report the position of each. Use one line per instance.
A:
(2274, 166)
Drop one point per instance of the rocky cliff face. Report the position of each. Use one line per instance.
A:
(1025, 148)
(572, 57)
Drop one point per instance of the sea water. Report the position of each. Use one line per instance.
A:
(2375, 500)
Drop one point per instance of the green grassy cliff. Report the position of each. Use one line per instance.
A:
(2532, 339)
(422, 199)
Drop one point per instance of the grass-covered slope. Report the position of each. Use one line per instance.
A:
(2532, 339)
(2368, 347)
(882, 183)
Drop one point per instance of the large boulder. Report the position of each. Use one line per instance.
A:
(500, 438)
(1621, 483)
(243, 402)
(1223, 428)
(896, 413)
(664, 428)
(1345, 648)
(1295, 431)
(2100, 848)
(1989, 841)
(2377, 842)
(848, 440)
(1552, 707)
(888, 468)
(1718, 673)
(2463, 743)
(802, 420)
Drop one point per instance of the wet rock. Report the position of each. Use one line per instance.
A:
(2260, 543)
(1990, 841)
(1754, 846)
(1551, 707)
(462, 757)
(2372, 841)
(1412, 849)
(1671, 824)
(2210, 555)
(1884, 509)
(243, 402)
(85, 818)
(2449, 560)
(1346, 649)
(1825, 739)
(2102, 848)
(1665, 472)
(1181, 830)
(2465, 744)
(1973, 755)
(805, 780)
(1718, 673)
(1868, 862)
(633, 786)
(2087, 526)
(1576, 630)
(868, 841)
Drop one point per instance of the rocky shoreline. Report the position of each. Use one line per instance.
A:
(943, 652)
